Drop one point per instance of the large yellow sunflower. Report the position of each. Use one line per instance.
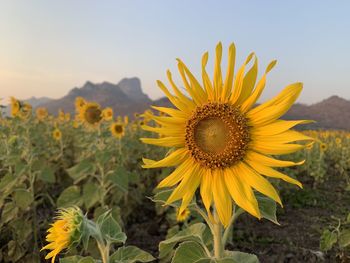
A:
(221, 142)
(91, 113)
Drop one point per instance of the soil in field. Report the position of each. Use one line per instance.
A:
(305, 214)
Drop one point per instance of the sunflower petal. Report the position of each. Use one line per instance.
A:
(258, 182)
(268, 171)
(222, 200)
(268, 161)
(174, 158)
(241, 192)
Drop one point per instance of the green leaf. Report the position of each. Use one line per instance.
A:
(344, 238)
(81, 170)
(267, 208)
(70, 196)
(120, 178)
(189, 252)
(192, 233)
(23, 198)
(47, 174)
(328, 239)
(87, 260)
(237, 256)
(9, 212)
(110, 229)
(131, 254)
(91, 194)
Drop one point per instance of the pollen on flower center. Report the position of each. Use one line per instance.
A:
(217, 135)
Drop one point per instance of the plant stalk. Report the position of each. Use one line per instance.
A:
(217, 236)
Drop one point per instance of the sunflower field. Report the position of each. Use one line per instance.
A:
(79, 188)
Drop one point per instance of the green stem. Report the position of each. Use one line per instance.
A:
(217, 236)
(104, 251)
(227, 231)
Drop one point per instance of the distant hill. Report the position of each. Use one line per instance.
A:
(331, 113)
(127, 97)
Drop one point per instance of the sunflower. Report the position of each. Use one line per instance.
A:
(57, 134)
(107, 114)
(182, 215)
(25, 111)
(65, 231)
(79, 103)
(41, 113)
(61, 115)
(117, 130)
(220, 142)
(126, 120)
(15, 107)
(323, 147)
(91, 113)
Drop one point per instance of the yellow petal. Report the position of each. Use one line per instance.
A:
(275, 148)
(270, 111)
(258, 182)
(229, 74)
(265, 170)
(206, 189)
(217, 72)
(268, 161)
(249, 82)
(177, 175)
(172, 112)
(166, 142)
(285, 137)
(174, 158)
(241, 192)
(174, 100)
(179, 94)
(277, 127)
(238, 85)
(253, 98)
(189, 183)
(206, 80)
(222, 199)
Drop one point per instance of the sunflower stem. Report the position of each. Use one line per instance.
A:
(227, 231)
(217, 236)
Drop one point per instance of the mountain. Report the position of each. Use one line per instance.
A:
(125, 98)
(331, 113)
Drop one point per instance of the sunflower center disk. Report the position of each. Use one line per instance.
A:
(217, 135)
(93, 115)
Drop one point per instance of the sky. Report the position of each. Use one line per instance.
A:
(49, 47)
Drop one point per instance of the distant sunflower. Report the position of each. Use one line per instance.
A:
(107, 114)
(61, 115)
(221, 143)
(117, 130)
(79, 103)
(91, 113)
(64, 231)
(126, 120)
(25, 111)
(323, 147)
(57, 134)
(15, 107)
(41, 113)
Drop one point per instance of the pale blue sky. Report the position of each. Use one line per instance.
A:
(48, 47)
